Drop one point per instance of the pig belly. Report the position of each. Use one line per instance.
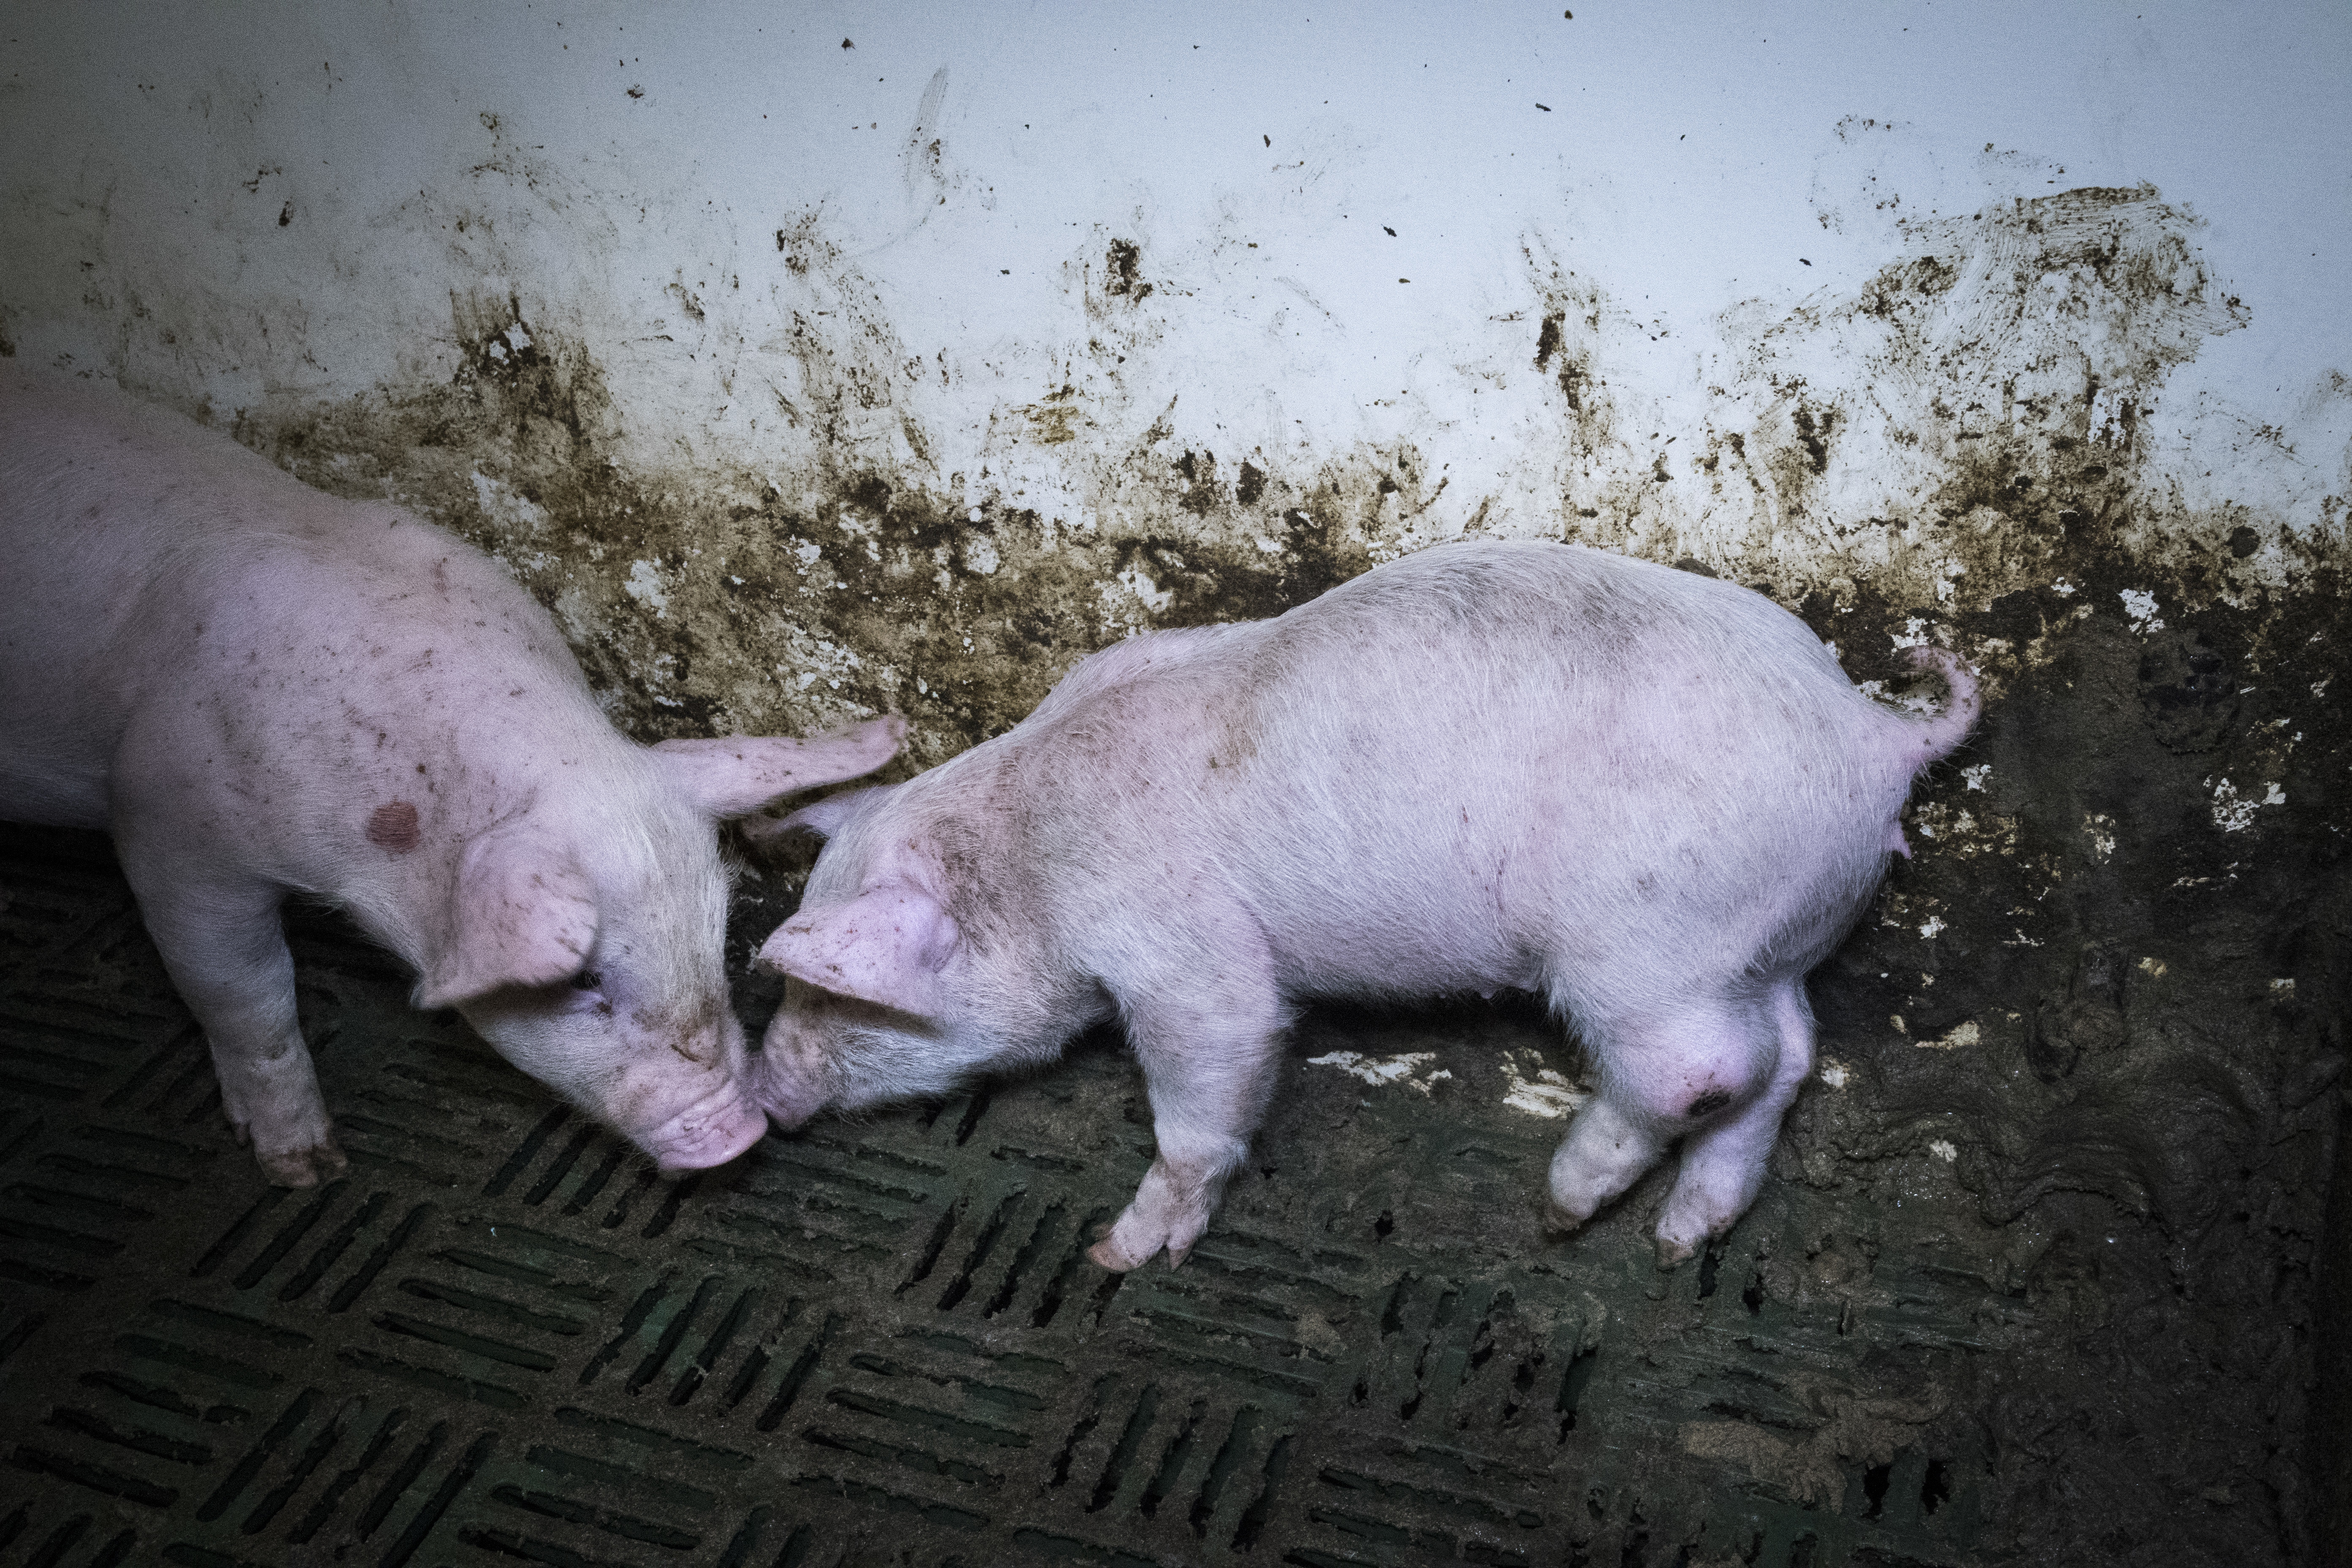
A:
(1387, 958)
(1537, 872)
(49, 786)
(58, 727)
(58, 736)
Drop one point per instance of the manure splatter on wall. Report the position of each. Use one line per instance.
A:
(1969, 428)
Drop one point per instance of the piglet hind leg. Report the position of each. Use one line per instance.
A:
(226, 954)
(1208, 1075)
(1607, 1149)
(1664, 1076)
(1723, 1162)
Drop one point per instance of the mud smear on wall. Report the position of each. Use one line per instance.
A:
(863, 581)
(2096, 1025)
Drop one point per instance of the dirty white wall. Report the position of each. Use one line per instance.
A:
(1258, 282)
(813, 361)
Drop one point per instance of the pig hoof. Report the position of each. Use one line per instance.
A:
(1559, 1223)
(305, 1167)
(1673, 1253)
(1106, 1252)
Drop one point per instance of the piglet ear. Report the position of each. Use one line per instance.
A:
(888, 945)
(825, 818)
(522, 914)
(738, 774)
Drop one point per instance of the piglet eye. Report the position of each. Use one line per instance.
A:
(587, 980)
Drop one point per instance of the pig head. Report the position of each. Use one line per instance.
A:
(582, 940)
(263, 691)
(904, 976)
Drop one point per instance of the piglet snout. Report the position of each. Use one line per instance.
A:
(784, 1085)
(789, 1118)
(709, 1132)
(790, 1100)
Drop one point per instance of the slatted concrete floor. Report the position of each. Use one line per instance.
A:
(504, 1339)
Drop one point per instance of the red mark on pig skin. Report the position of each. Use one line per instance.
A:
(394, 828)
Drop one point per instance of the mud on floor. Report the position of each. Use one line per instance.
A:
(504, 1339)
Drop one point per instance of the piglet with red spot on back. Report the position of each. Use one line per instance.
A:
(264, 691)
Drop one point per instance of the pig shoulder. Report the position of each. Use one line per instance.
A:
(1138, 661)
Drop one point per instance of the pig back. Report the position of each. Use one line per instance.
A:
(101, 499)
(1470, 766)
(198, 618)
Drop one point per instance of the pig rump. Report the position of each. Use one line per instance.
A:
(1651, 796)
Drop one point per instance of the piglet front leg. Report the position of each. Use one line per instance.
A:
(1208, 1069)
(1173, 1207)
(227, 954)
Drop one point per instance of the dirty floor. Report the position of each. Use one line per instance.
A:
(504, 1339)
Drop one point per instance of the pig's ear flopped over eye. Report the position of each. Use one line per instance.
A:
(735, 774)
(887, 946)
(522, 914)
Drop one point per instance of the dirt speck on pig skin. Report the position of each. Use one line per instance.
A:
(393, 827)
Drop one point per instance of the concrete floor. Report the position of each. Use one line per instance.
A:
(503, 1338)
